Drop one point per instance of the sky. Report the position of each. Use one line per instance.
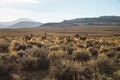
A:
(56, 10)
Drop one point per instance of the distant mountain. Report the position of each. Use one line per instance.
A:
(25, 24)
(5, 24)
(102, 20)
(2, 25)
(20, 23)
(56, 25)
(22, 20)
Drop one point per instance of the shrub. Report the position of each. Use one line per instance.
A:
(65, 70)
(13, 58)
(37, 44)
(48, 78)
(117, 63)
(29, 64)
(37, 52)
(19, 46)
(4, 47)
(67, 48)
(104, 49)
(6, 69)
(118, 55)
(16, 46)
(111, 53)
(92, 72)
(117, 48)
(37, 59)
(96, 44)
(21, 53)
(117, 75)
(54, 48)
(3, 57)
(80, 45)
(105, 66)
(89, 43)
(93, 51)
(81, 55)
(54, 56)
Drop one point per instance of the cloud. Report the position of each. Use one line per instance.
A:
(20, 1)
(26, 1)
(21, 4)
(39, 10)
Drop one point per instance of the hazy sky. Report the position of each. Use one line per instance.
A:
(56, 10)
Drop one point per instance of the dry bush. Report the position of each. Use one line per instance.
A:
(36, 44)
(48, 78)
(80, 45)
(65, 70)
(93, 51)
(16, 46)
(61, 58)
(7, 68)
(54, 48)
(104, 49)
(89, 43)
(106, 66)
(97, 44)
(67, 48)
(117, 63)
(117, 48)
(55, 56)
(81, 55)
(117, 75)
(29, 64)
(19, 46)
(36, 60)
(113, 53)
(4, 47)
(37, 52)
(21, 54)
(93, 71)
(106, 42)
(7, 58)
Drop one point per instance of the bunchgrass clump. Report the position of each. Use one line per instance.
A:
(81, 55)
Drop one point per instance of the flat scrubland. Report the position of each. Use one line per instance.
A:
(89, 53)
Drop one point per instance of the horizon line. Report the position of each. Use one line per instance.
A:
(35, 20)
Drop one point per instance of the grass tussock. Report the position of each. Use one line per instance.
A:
(60, 57)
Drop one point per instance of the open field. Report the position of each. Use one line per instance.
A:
(93, 31)
(86, 53)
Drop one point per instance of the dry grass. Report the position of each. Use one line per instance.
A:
(60, 56)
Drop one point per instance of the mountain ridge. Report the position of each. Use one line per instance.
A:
(25, 24)
(102, 20)
(77, 22)
(15, 23)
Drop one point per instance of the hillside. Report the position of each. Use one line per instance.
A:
(25, 24)
(102, 20)
(20, 23)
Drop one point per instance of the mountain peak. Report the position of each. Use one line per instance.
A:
(23, 19)
(20, 23)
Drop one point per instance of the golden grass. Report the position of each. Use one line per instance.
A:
(60, 56)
